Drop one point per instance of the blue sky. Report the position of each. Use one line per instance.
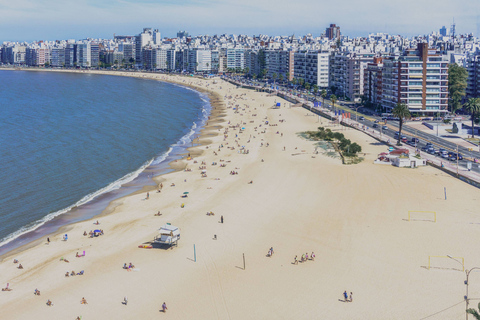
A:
(28, 20)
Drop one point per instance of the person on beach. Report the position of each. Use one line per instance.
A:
(295, 261)
(20, 266)
(49, 303)
(221, 219)
(48, 240)
(125, 300)
(306, 256)
(15, 261)
(164, 307)
(148, 195)
(345, 295)
(312, 256)
(350, 299)
(36, 292)
(83, 301)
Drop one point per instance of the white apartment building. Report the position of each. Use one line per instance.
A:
(313, 67)
(347, 73)
(199, 60)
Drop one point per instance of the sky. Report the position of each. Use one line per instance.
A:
(30, 20)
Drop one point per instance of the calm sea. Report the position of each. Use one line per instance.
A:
(72, 140)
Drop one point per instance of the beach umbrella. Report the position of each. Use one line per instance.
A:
(96, 231)
(185, 192)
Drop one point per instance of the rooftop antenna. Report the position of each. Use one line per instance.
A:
(453, 29)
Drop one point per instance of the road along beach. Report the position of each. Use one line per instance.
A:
(253, 168)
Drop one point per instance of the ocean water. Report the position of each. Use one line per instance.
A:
(68, 142)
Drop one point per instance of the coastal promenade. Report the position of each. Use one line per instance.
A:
(253, 168)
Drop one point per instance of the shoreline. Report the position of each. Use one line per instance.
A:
(214, 102)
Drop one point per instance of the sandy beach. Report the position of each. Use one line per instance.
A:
(285, 196)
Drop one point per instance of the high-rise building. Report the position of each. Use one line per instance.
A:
(312, 67)
(333, 32)
(94, 54)
(84, 54)
(182, 34)
(472, 64)
(372, 83)
(443, 31)
(142, 40)
(418, 78)
(70, 54)
(199, 60)
(128, 50)
(346, 73)
(58, 57)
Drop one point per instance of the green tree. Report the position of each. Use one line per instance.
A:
(401, 111)
(287, 76)
(274, 76)
(457, 83)
(315, 90)
(474, 312)
(333, 98)
(323, 94)
(333, 89)
(301, 82)
(294, 81)
(473, 106)
(281, 77)
(264, 73)
(307, 86)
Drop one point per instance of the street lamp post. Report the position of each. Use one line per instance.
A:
(467, 274)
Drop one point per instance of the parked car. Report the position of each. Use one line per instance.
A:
(361, 118)
(404, 140)
(415, 140)
(384, 128)
(376, 121)
(374, 125)
(432, 150)
(425, 148)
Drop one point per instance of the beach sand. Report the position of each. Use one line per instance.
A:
(353, 217)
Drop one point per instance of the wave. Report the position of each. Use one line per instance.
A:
(112, 186)
(184, 142)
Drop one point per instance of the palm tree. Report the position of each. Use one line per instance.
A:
(287, 76)
(333, 98)
(307, 86)
(473, 106)
(315, 90)
(280, 77)
(401, 111)
(323, 94)
(473, 311)
(274, 76)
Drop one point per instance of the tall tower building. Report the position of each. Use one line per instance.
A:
(333, 32)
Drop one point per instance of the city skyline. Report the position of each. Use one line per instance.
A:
(35, 20)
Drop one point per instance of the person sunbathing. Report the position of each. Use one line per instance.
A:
(66, 260)
(6, 289)
(49, 303)
(67, 274)
(84, 233)
(83, 301)
(73, 273)
(37, 292)
(76, 255)
(80, 273)
(158, 214)
(20, 266)
(15, 261)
